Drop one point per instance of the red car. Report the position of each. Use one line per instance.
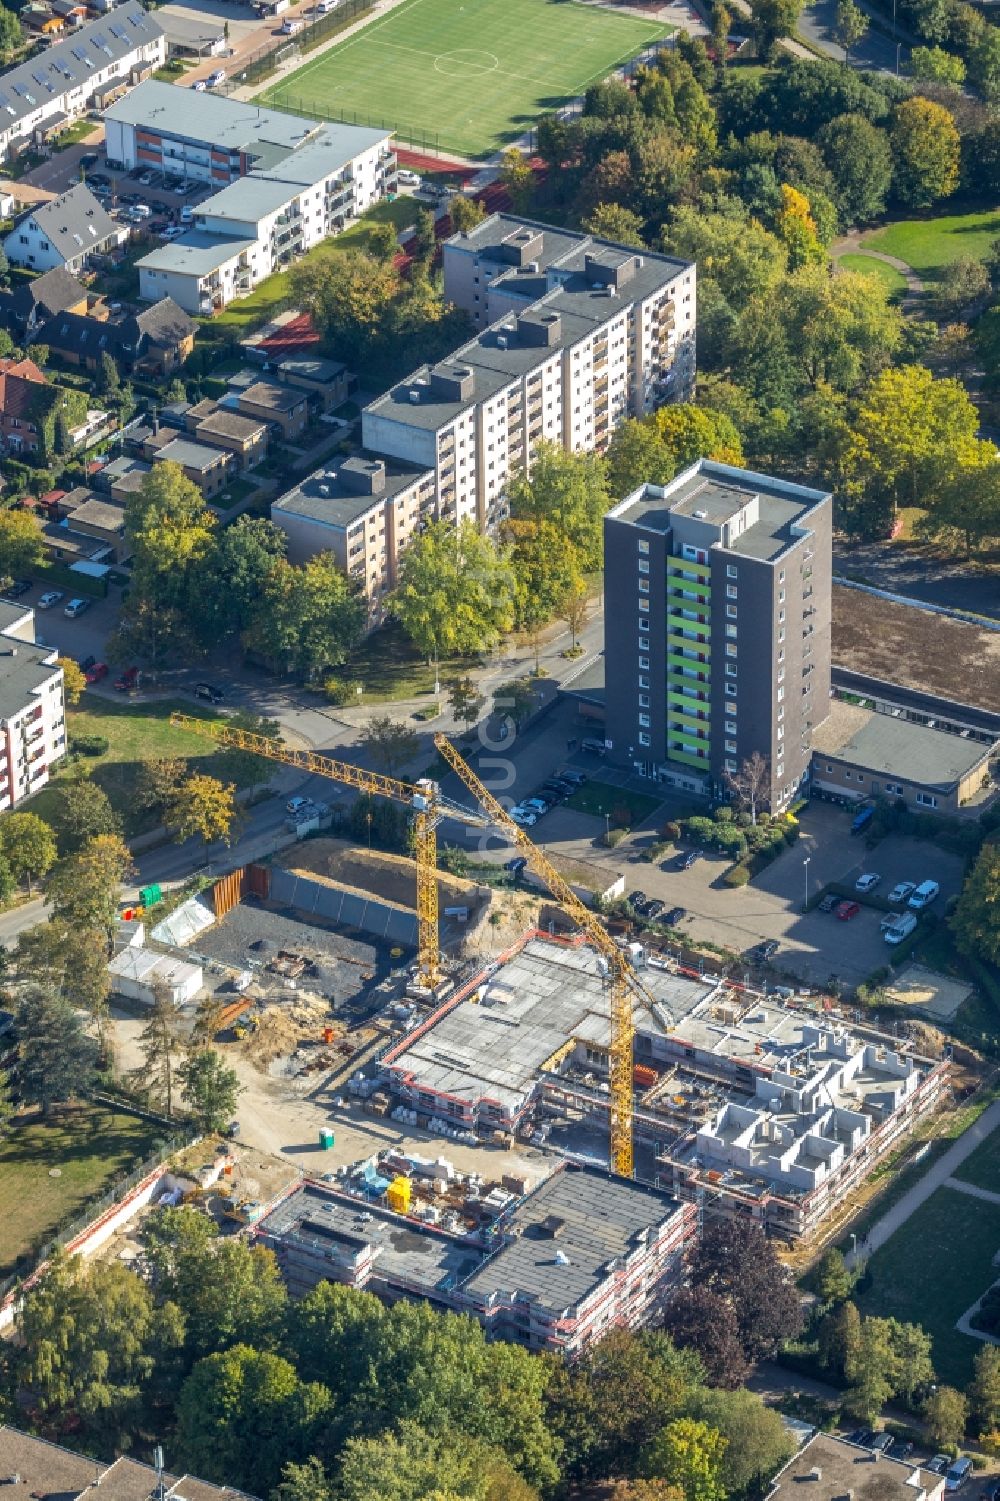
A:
(129, 680)
(97, 672)
(847, 910)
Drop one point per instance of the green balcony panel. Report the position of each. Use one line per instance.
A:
(701, 762)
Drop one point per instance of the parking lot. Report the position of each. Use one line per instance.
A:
(816, 946)
(87, 635)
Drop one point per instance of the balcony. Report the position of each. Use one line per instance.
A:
(687, 568)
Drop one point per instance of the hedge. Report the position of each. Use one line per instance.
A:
(60, 576)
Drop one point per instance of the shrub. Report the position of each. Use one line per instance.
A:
(671, 830)
(614, 837)
(790, 833)
(89, 745)
(723, 813)
(339, 691)
(654, 853)
(700, 830)
(737, 875)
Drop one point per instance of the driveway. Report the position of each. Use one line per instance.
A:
(62, 170)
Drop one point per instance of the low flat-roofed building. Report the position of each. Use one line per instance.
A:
(284, 406)
(42, 1471)
(363, 509)
(208, 468)
(773, 1112)
(828, 1468)
(122, 477)
(200, 272)
(858, 753)
(96, 516)
(245, 437)
(582, 1254)
(328, 381)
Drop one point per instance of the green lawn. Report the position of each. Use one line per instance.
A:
(933, 1269)
(982, 1167)
(389, 667)
(601, 798)
(89, 1146)
(895, 281)
(136, 733)
(929, 244)
(466, 75)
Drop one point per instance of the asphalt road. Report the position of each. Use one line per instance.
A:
(818, 25)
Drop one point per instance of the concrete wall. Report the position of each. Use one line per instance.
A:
(349, 908)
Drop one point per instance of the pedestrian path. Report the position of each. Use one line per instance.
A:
(936, 1177)
(972, 1189)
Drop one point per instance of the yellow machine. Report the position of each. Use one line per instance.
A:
(430, 807)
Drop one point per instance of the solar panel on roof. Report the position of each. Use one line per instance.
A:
(77, 53)
(40, 78)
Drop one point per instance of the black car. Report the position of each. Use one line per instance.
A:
(87, 663)
(553, 792)
(637, 900)
(88, 158)
(762, 952)
(675, 915)
(17, 588)
(516, 867)
(653, 909)
(901, 1449)
(829, 902)
(688, 859)
(209, 691)
(576, 777)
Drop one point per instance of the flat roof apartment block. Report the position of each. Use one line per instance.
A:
(597, 333)
(718, 589)
(755, 1104)
(32, 711)
(582, 1254)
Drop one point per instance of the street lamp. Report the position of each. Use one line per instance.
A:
(607, 828)
(805, 868)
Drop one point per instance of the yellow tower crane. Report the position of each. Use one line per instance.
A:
(430, 807)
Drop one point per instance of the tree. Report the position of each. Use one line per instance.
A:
(517, 178)
(935, 65)
(171, 533)
(976, 918)
(91, 1337)
(74, 680)
(55, 1057)
(10, 35)
(890, 1358)
(21, 547)
(688, 1454)
(465, 702)
(757, 1441)
(736, 1260)
(306, 619)
(574, 608)
(984, 1390)
(382, 242)
(202, 805)
(859, 157)
(569, 491)
(613, 221)
(245, 555)
(159, 781)
(63, 438)
(840, 1338)
(423, 242)
(750, 786)
(305, 1482)
(962, 282)
(771, 20)
(411, 1464)
(70, 961)
(832, 1280)
(722, 22)
(210, 1089)
(926, 148)
(456, 591)
(243, 1414)
(85, 812)
(390, 743)
(84, 889)
(852, 23)
(967, 508)
(8, 885)
(348, 295)
(465, 213)
(698, 1319)
(984, 63)
(160, 1045)
(109, 379)
(945, 1412)
(516, 699)
(28, 844)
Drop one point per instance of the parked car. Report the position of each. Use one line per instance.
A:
(861, 820)
(762, 952)
(199, 87)
(172, 232)
(901, 891)
(847, 910)
(654, 909)
(900, 928)
(129, 680)
(97, 673)
(408, 179)
(576, 777)
(537, 805)
(88, 158)
(17, 588)
(938, 1465)
(829, 902)
(296, 805)
(637, 900)
(923, 895)
(49, 598)
(516, 867)
(86, 663)
(675, 915)
(76, 607)
(524, 817)
(209, 691)
(685, 861)
(957, 1474)
(217, 76)
(867, 882)
(990, 1492)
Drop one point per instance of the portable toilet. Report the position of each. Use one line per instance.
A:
(326, 1138)
(398, 1195)
(149, 896)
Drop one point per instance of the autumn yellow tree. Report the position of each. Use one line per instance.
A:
(74, 680)
(797, 228)
(202, 805)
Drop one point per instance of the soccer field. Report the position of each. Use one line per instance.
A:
(464, 75)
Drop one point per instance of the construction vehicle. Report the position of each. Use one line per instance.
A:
(430, 807)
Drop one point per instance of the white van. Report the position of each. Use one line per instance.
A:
(140, 211)
(901, 927)
(924, 895)
(187, 214)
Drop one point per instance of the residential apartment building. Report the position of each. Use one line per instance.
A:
(594, 333)
(285, 185)
(32, 712)
(364, 510)
(37, 1470)
(717, 621)
(111, 53)
(65, 232)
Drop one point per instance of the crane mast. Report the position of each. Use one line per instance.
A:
(429, 807)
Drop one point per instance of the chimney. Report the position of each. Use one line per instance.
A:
(815, 1473)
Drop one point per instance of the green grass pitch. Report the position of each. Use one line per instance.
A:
(465, 75)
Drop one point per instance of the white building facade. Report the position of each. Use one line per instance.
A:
(32, 709)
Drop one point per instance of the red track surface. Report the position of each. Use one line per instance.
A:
(294, 337)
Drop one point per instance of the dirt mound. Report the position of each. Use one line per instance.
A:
(391, 877)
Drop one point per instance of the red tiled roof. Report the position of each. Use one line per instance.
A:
(16, 380)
